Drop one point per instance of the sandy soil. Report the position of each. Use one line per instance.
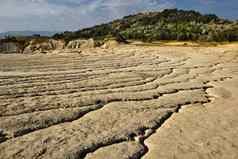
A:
(124, 103)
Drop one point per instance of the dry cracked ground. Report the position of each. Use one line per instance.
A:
(124, 103)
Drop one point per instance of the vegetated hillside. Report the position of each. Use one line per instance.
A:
(170, 24)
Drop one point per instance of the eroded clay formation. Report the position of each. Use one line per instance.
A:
(120, 103)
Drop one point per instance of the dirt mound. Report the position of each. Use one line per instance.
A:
(110, 44)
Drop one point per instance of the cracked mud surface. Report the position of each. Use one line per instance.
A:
(128, 102)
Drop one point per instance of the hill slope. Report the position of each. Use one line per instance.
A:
(170, 24)
(27, 33)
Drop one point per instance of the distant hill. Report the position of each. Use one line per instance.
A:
(170, 24)
(27, 33)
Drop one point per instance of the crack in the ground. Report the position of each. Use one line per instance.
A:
(115, 99)
(148, 132)
(99, 104)
(3, 136)
(142, 133)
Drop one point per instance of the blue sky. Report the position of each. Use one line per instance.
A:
(55, 15)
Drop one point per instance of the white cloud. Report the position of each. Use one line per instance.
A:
(16, 8)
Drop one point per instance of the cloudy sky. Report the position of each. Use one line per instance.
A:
(61, 15)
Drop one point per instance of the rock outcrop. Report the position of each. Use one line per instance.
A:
(76, 44)
(57, 44)
(44, 46)
(9, 47)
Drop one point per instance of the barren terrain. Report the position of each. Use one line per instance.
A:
(124, 103)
